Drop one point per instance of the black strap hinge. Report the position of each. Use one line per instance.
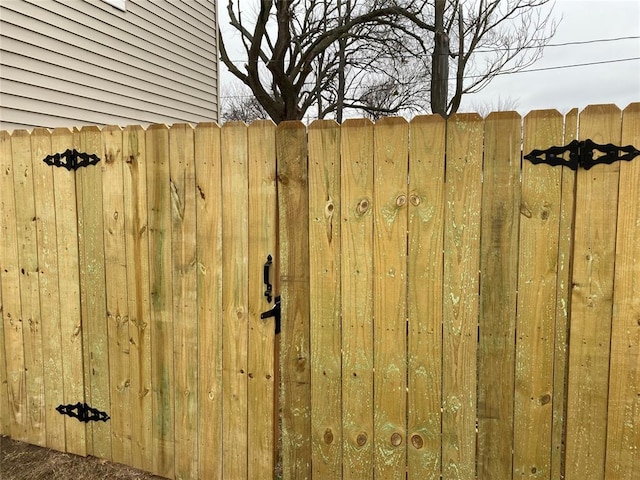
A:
(71, 159)
(581, 154)
(83, 412)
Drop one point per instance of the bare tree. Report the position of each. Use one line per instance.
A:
(334, 55)
(480, 39)
(239, 104)
(500, 104)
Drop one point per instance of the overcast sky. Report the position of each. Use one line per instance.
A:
(563, 89)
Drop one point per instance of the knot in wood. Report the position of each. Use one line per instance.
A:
(417, 441)
(363, 206)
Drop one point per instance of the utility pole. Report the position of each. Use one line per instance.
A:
(440, 64)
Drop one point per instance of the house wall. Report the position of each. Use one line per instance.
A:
(87, 62)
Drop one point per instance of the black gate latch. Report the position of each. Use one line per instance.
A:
(274, 312)
(581, 154)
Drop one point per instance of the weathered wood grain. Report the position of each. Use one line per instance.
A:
(540, 212)
(293, 205)
(235, 308)
(424, 296)
(185, 311)
(136, 233)
(263, 233)
(115, 269)
(209, 271)
(389, 293)
(71, 325)
(563, 304)
(623, 428)
(325, 301)
(161, 306)
(356, 275)
(29, 285)
(49, 293)
(591, 301)
(463, 194)
(498, 287)
(11, 308)
(93, 290)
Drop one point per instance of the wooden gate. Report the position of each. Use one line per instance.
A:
(127, 285)
(457, 312)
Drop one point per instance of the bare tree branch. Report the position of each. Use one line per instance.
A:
(336, 55)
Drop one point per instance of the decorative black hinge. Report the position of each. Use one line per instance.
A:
(83, 412)
(274, 312)
(581, 154)
(71, 159)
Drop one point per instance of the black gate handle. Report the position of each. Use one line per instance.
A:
(267, 279)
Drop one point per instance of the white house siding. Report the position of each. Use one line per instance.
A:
(85, 62)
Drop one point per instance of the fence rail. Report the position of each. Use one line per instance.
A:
(449, 310)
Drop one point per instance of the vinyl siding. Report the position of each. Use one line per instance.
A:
(84, 62)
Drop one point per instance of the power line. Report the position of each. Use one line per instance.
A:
(528, 70)
(563, 44)
(560, 67)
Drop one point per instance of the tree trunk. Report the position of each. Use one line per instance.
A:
(440, 64)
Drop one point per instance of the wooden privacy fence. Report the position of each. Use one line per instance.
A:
(449, 310)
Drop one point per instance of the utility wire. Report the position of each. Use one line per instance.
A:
(564, 44)
(528, 70)
(528, 47)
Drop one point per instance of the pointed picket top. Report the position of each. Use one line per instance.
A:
(357, 122)
(540, 114)
(323, 123)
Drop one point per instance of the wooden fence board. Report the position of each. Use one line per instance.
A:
(623, 432)
(71, 325)
(498, 287)
(137, 253)
(209, 251)
(389, 293)
(424, 296)
(463, 193)
(563, 304)
(293, 207)
(115, 266)
(45, 208)
(591, 302)
(29, 288)
(356, 298)
(26, 223)
(537, 297)
(235, 281)
(185, 311)
(5, 418)
(161, 279)
(262, 217)
(93, 290)
(11, 308)
(324, 242)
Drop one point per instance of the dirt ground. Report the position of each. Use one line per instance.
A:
(21, 461)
